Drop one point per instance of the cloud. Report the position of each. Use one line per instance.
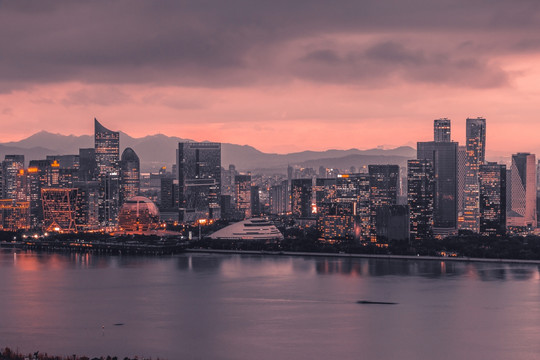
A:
(214, 43)
(387, 60)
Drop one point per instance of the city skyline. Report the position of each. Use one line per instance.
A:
(254, 74)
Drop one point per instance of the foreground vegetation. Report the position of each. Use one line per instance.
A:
(8, 354)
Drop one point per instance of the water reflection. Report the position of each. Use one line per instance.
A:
(263, 307)
(424, 268)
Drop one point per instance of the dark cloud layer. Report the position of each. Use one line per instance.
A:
(241, 42)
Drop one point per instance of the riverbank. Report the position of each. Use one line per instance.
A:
(369, 256)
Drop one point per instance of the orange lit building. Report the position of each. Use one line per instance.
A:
(59, 209)
(14, 215)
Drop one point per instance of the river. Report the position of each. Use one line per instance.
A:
(209, 306)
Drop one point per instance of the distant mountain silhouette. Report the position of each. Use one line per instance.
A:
(158, 150)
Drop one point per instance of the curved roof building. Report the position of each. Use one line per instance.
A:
(251, 229)
(107, 145)
(138, 214)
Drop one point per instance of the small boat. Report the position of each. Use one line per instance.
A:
(376, 302)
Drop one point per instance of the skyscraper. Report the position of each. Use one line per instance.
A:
(441, 130)
(107, 146)
(301, 197)
(129, 175)
(492, 184)
(522, 212)
(443, 155)
(476, 150)
(384, 183)
(88, 169)
(461, 172)
(107, 149)
(10, 168)
(420, 191)
(242, 194)
(199, 181)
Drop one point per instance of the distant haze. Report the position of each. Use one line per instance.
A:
(155, 151)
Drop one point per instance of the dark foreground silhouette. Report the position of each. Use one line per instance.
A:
(8, 354)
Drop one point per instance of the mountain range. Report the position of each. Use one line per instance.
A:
(158, 150)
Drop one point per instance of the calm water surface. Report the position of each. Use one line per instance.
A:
(205, 306)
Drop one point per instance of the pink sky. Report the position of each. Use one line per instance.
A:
(329, 80)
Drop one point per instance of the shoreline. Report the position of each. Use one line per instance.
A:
(368, 256)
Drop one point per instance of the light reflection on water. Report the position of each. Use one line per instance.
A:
(244, 307)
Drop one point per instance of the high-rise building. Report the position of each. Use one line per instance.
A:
(87, 216)
(301, 197)
(168, 193)
(522, 212)
(443, 155)
(88, 169)
(227, 180)
(107, 150)
(355, 189)
(492, 184)
(255, 201)
(199, 181)
(107, 146)
(325, 194)
(384, 183)
(14, 215)
(10, 168)
(441, 130)
(109, 199)
(420, 191)
(476, 153)
(279, 198)
(242, 194)
(461, 172)
(129, 175)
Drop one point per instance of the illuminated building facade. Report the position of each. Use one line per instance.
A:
(461, 173)
(242, 194)
(14, 215)
(339, 223)
(384, 184)
(107, 151)
(87, 217)
(443, 156)
(199, 181)
(356, 189)
(442, 130)
(129, 175)
(420, 191)
(325, 195)
(29, 190)
(279, 198)
(109, 199)
(59, 209)
(10, 168)
(255, 201)
(492, 185)
(107, 148)
(476, 153)
(301, 197)
(522, 212)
